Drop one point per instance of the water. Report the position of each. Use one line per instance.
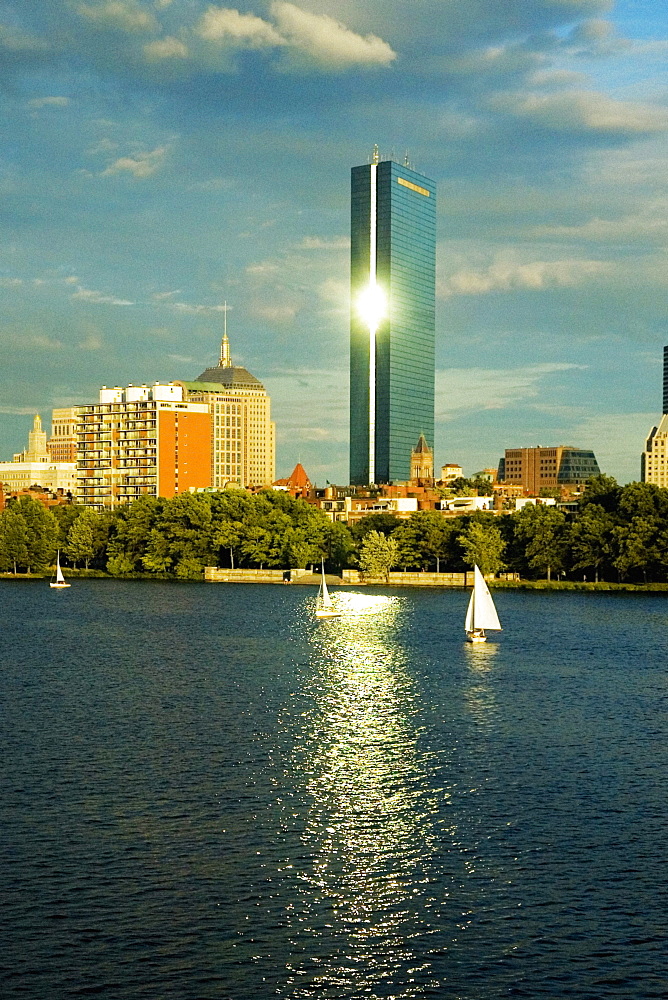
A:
(207, 795)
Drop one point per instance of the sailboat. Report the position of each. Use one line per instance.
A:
(324, 606)
(60, 582)
(481, 613)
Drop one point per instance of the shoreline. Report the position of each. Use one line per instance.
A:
(603, 586)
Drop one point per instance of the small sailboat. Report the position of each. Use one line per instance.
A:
(324, 605)
(481, 613)
(59, 583)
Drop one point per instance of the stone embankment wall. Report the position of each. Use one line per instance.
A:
(349, 577)
(214, 575)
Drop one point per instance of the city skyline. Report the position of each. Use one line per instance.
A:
(163, 159)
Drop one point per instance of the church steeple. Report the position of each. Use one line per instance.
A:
(225, 357)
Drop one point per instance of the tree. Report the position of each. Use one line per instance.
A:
(602, 490)
(383, 522)
(483, 547)
(81, 543)
(461, 487)
(424, 540)
(42, 533)
(13, 539)
(378, 554)
(591, 538)
(542, 529)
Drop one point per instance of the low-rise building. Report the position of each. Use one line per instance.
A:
(538, 468)
(451, 471)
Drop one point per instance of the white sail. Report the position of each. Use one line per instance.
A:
(481, 612)
(325, 599)
(59, 573)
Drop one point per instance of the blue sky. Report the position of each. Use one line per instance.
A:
(160, 157)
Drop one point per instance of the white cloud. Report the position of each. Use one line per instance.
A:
(10, 282)
(277, 313)
(314, 39)
(318, 243)
(583, 111)
(14, 40)
(98, 298)
(194, 309)
(506, 276)
(165, 48)
(19, 411)
(122, 15)
(651, 223)
(475, 389)
(223, 24)
(51, 102)
(93, 342)
(328, 42)
(141, 165)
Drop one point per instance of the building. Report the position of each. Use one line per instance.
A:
(539, 468)
(62, 445)
(243, 448)
(297, 483)
(654, 459)
(392, 264)
(36, 450)
(34, 467)
(141, 441)
(451, 471)
(422, 463)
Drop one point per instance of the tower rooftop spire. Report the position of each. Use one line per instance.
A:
(225, 356)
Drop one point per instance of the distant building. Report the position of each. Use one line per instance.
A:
(451, 471)
(547, 468)
(422, 462)
(62, 445)
(243, 448)
(141, 441)
(488, 475)
(392, 264)
(463, 504)
(654, 459)
(297, 483)
(34, 467)
(36, 450)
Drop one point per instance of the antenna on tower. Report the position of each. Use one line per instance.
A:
(225, 359)
(376, 155)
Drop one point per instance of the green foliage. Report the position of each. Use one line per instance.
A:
(42, 533)
(378, 554)
(483, 546)
(81, 544)
(471, 488)
(542, 529)
(424, 540)
(13, 540)
(591, 539)
(382, 522)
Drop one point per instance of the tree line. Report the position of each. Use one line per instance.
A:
(616, 533)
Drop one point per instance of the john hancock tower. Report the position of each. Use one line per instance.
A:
(393, 264)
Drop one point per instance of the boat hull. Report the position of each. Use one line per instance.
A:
(472, 637)
(59, 586)
(328, 614)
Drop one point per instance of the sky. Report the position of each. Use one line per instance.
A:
(163, 157)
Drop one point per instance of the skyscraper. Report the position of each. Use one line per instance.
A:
(654, 459)
(393, 261)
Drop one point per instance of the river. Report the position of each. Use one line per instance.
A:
(208, 795)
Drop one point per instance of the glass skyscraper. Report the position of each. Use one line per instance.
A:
(393, 261)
